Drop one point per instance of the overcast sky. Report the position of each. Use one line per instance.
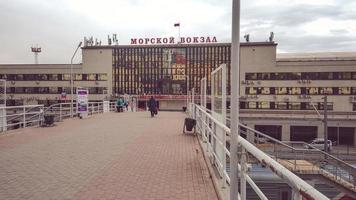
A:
(58, 25)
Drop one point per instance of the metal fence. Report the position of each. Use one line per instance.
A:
(15, 117)
(208, 127)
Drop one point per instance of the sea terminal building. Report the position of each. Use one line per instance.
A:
(279, 92)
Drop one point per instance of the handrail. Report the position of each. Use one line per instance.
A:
(298, 185)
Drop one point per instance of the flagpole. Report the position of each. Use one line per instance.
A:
(179, 33)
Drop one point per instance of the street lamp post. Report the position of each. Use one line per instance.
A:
(325, 123)
(235, 89)
(71, 79)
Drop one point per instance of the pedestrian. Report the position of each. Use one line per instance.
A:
(152, 104)
(119, 104)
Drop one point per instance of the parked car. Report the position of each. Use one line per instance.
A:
(318, 143)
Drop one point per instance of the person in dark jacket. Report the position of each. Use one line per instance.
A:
(152, 105)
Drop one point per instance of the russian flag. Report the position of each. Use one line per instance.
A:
(176, 24)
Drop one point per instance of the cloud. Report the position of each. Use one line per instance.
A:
(58, 25)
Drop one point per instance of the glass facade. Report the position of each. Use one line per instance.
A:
(164, 70)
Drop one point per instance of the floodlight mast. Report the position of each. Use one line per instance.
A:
(36, 50)
(71, 80)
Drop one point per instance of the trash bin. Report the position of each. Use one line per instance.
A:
(189, 123)
(17, 122)
(48, 120)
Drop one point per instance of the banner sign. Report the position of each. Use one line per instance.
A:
(172, 40)
(82, 100)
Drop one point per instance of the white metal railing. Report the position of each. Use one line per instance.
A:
(13, 117)
(216, 147)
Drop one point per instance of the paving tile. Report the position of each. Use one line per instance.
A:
(107, 156)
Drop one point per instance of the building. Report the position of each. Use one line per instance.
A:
(281, 94)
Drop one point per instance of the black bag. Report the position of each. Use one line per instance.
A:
(156, 111)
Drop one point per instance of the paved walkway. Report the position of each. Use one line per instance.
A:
(107, 156)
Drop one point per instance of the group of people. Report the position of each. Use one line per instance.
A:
(152, 105)
(121, 104)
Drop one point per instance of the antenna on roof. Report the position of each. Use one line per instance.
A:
(271, 37)
(109, 40)
(247, 37)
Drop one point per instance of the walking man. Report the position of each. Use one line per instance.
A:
(152, 104)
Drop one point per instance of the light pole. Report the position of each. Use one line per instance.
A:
(71, 79)
(235, 89)
(325, 121)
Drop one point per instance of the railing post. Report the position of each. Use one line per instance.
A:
(224, 158)
(24, 117)
(296, 195)
(243, 173)
(39, 116)
(60, 112)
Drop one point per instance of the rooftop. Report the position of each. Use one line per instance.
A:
(316, 56)
(180, 45)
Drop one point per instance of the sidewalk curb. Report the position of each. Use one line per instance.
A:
(215, 181)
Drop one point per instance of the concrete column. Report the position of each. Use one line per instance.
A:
(286, 132)
(320, 133)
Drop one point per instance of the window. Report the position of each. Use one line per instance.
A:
(264, 105)
(282, 90)
(251, 105)
(18, 77)
(326, 90)
(92, 77)
(66, 77)
(312, 90)
(295, 91)
(19, 90)
(294, 106)
(53, 90)
(251, 76)
(29, 77)
(345, 75)
(294, 76)
(281, 105)
(265, 90)
(78, 77)
(53, 77)
(43, 77)
(29, 90)
(344, 90)
(326, 75)
(251, 90)
(353, 90)
(84, 77)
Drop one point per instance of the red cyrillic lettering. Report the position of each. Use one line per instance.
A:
(182, 40)
(133, 41)
(214, 39)
(195, 39)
